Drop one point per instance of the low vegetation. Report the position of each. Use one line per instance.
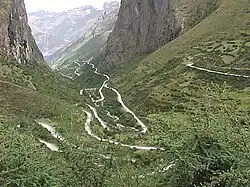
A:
(201, 119)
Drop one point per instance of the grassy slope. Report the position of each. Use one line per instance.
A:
(199, 136)
(85, 52)
(200, 118)
(24, 161)
(164, 67)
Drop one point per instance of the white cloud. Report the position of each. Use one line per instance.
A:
(60, 5)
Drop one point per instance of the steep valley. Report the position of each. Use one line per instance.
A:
(56, 32)
(158, 98)
(92, 41)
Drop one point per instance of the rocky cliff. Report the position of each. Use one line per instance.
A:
(15, 34)
(145, 25)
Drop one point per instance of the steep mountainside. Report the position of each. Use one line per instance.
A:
(177, 117)
(194, 92)
(53, 31)
(15, 34)
(29, 93)
(93, 39)
(164, 80)
(144, 26)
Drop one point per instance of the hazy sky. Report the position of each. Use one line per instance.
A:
(60, 5)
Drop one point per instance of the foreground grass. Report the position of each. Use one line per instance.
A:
(206, 144)
(202, 120)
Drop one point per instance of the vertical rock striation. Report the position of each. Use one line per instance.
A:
(16, 39)
(142, 26)
(145, 25)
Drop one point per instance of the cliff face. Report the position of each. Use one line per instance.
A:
(15, 34)
(142, 27)
(145, 25)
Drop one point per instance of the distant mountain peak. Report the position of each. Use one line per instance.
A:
(110, 4)
(54, 31)
(87, 9)
(42, 13)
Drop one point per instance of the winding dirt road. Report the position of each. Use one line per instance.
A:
(50, 146)
(89, 131)
(101, 98)
(190, 65)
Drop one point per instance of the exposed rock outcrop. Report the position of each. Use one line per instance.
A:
(15, 34)
(145, 25)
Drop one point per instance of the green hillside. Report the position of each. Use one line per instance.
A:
(201, 116)
(84, 51)
(26, 96)
(193, 94)
(164, 72)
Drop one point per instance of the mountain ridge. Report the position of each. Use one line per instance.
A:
(55, 31)
(95, 35)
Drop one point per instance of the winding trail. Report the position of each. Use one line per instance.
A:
(103, 123)
(50, 146)
(79, 67)
(115, 118)
(190, 65)
(232, 68)
(95, 115)
(119, 98)
(66, 76)
(102, 98)
(126, 109)
(51, 130)
(89, 131)
(90, 117)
